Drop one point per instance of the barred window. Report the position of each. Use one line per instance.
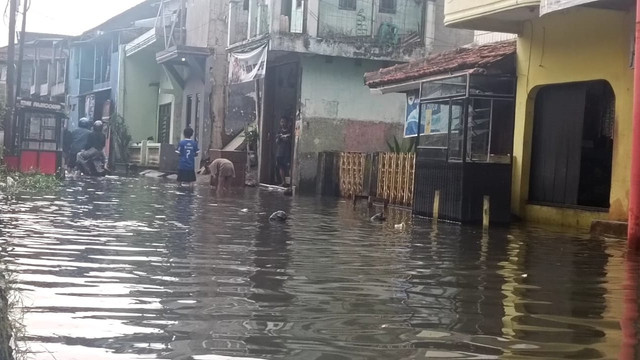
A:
(388, 6)
(347, 5)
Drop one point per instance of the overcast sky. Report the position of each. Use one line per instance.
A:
(67, 17)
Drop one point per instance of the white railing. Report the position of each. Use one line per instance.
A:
(145, 154)
(57, 89)
(44, 89)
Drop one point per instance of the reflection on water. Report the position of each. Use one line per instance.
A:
(128, 269)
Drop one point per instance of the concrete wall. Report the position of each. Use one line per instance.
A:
(567, 47)
(217, 70)
(197, 23)
(338, 113)
(141, 87)
(207, 28)
(447, 38)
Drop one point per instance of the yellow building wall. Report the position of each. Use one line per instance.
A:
(579, 44)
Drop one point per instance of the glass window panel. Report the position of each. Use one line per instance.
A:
(51, 146)
(49, 134)
(434, 126)
(491, 85)
(33, 128)
(502, 131)
(456, 132)
(49, 121)
(479, 127)
(453, 86)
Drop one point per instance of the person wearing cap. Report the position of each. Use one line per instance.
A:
(78, 140)
(93, 149)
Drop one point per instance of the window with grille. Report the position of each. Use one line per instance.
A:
(388, 6)
(347, 4)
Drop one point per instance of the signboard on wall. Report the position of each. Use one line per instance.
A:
(435, 117)
(411, 116)
(90, 106)
(247, 66)
(547, 6)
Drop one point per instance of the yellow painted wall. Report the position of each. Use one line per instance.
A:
(580, 44)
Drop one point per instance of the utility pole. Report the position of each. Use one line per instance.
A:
(11, 75)
(633, 235)
(25, 8)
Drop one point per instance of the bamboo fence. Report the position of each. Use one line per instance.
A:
(352, 174)
(395, 178)
(393, 173)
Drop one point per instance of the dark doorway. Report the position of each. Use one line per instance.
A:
(164, 123)
(196, 123)
(572, 145)
(189, 110)
(281, 100)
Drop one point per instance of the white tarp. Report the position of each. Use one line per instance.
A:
(247, 66)
(547, 6)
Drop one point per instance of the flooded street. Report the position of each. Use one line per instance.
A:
(134, 269)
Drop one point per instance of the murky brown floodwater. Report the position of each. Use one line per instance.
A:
(133, 269)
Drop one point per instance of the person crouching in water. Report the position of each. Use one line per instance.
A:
(91, 159)
(222, 171)
(188, 150)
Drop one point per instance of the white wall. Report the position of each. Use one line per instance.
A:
(197, 23)
(336, 90)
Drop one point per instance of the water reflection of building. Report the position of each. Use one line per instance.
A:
(271, 257)
(561, 302)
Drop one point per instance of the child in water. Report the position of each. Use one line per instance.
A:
(188, 150)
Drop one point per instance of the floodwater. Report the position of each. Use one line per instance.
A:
(134, 269)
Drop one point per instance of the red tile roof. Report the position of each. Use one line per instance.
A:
(465, 58)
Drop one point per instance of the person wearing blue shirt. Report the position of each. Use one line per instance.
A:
(188, 150)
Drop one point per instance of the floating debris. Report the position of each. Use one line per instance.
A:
(379, 218)
(279, 216)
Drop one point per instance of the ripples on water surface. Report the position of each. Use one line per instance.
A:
(129, 269)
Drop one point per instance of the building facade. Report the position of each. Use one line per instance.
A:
(44, 67)
(309, 58)
(572, 134)
(95, 64)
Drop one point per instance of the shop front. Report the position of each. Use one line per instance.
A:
(463, 160)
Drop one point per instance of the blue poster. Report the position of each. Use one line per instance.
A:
(412, 113)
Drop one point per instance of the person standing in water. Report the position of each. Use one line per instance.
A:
(283, 150)
(188, 151)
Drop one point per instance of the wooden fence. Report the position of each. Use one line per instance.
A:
(352, 169)
(395, 178)
(386, 176)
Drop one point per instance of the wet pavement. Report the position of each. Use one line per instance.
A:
(134, 269)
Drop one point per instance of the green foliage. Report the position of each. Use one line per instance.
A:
(3, 114)
(251, 136)
(121, 136)
(12, 183)
(403, 147)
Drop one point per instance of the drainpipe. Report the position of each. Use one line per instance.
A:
(634, 189)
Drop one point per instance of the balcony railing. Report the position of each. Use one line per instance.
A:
(329, 19)
(58, 89)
